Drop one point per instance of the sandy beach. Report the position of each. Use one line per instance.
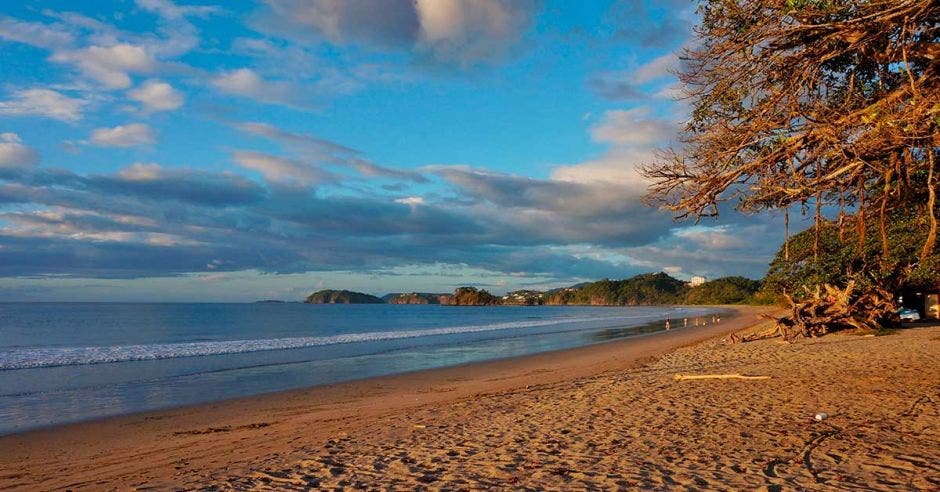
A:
(606, 416)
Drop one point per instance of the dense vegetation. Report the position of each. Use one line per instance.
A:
(818, 105)
(840, 260)
(414, 298)
(657, 288)
(812, 104)
(725, 290)
(649, 288)
(471, 296)
(341, 297)
(645, 289)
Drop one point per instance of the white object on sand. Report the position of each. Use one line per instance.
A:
(821, 416)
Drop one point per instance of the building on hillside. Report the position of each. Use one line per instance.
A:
(524, 297)
(696, 281)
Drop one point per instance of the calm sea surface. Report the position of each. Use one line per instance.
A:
(67, 362)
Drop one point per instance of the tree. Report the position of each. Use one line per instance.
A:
(725, 290)
(471, 296)
(815, 104)
(840, 262)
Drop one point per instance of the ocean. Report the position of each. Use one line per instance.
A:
(68, 362)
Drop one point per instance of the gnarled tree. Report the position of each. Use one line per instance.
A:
(816, 104)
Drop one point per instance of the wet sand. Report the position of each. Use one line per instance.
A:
(605, 416)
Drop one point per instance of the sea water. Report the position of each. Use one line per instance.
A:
(67, 362)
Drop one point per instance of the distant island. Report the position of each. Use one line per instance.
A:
(341, 297)
(641, 290)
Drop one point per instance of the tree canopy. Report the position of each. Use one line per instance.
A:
(820, 104)
(725, 290)
(839, 260)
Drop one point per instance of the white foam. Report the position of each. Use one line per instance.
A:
(68, 356)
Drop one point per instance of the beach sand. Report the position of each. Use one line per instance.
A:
(607, 416)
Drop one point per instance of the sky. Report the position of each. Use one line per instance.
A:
(234, 151)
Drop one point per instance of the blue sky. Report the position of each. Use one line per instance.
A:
(231, 151)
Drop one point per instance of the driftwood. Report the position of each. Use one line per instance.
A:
(828, 309)
(686, 377)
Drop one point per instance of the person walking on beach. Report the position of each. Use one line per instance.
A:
(667, 323)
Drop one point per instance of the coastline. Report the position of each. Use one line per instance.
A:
(258, 365)
(71, 448)
(608, 415)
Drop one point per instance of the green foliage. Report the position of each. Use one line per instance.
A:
(839, 262)
(822, 5)
(330, 296)
(656, 288)
(644, 289)
(765, 298)
(524, 298)
(413, 298)
(816, 104)
(726, 290)
(649, 288)
(471, 296)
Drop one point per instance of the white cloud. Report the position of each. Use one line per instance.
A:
(312, 147)
(633, 127)
(157, 96)
(246, 82)
(673, 92)
(629, 84)
(43, 102)
(123, 136)
(619, 166)
(179, 36)
(142, 171)
(633, 136)
(391, 23)
(34, 33)
(410, 200)
(169, 10)
(109, 65)
(657, 68)
(715, 238)
(281, 170)
(243, 81)
(742, 247)
(459, 32)
(14, 154)
(61, 223)
(464, 31)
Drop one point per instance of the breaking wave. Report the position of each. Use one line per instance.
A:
(69, 356)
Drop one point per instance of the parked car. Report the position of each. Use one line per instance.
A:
(907, 314)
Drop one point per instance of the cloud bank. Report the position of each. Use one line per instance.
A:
(461, 33)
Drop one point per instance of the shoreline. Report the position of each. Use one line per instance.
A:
(71, 448)
(722, 309)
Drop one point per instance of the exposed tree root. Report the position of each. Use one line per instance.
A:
(828, 309)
